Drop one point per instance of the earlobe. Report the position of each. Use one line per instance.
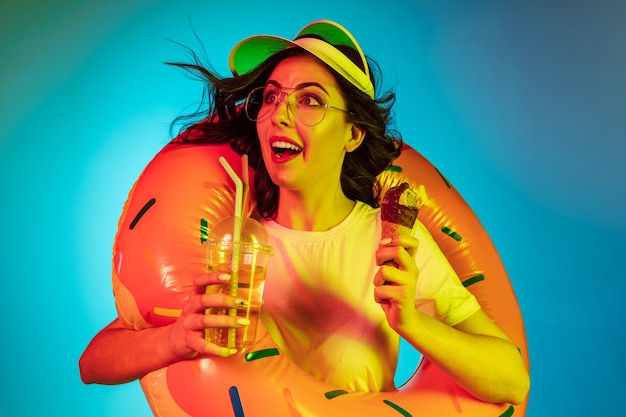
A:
(357, 134)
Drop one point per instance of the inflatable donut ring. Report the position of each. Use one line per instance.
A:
(181, 193)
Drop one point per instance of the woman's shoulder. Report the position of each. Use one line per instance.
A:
(362, 209)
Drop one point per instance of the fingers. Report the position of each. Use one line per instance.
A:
(397, 276)
(214, 320)
(199, 303)
(398, 250)
(208, 308)
(210, 278)
(389, 276)
(393, 293)
(195, 325)
(211, 310)
(208, 293)
(406, 241)
(396, 258)
(200, 345)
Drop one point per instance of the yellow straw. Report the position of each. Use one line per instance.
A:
(234, 263)
(246, 182)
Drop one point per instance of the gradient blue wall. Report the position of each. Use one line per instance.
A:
(521, 104)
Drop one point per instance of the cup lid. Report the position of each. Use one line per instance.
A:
(253, 237)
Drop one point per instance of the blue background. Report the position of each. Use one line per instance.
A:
(522, 104)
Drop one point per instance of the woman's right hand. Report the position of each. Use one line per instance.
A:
(186, 336)
(118, 354)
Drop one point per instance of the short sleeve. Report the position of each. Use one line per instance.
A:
(439, 292)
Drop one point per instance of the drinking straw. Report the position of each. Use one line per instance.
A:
(234, 262)
(244, 204)
(246, 182)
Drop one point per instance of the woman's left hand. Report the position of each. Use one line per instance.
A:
(396, 280)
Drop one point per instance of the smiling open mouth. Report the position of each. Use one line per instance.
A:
(285, 149)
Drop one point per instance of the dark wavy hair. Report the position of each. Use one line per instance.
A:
(224, 121)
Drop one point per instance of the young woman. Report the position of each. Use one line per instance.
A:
(307, 114)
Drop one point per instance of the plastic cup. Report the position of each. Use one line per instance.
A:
(246, 261)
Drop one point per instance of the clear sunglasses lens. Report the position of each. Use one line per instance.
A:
(254, 104)
(309, 116)
(260, 103)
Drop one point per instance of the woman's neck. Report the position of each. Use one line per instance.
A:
(312, 213)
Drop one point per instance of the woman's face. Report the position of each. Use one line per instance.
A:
(300, 157)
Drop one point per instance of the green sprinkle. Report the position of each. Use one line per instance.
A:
(394, 168)
(473, 280)
(204, 230)
(443, 178)
(260, 354)
(454, 235)
(397, 408)
(143, 211)
(336, 393)
(509, 412)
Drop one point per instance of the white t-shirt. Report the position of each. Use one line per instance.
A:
(319, 299)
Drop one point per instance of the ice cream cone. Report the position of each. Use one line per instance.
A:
(399, 209)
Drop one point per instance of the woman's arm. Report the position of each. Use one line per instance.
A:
(475, 352)
(117, 354)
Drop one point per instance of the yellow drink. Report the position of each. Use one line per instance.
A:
(251, 282)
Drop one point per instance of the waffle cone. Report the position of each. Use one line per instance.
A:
(398, 210)
(390, 229)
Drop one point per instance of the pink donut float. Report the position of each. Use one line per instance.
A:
(181, 194)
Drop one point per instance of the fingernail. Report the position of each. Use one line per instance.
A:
(241, 303)
(232, 351)
(385, 241)
(223, 277)
(243, 322)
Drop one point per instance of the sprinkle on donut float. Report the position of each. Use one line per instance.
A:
(178, 198)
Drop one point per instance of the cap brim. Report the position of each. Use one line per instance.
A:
(331, 32)
(251, 52)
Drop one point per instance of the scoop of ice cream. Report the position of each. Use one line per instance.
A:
(399, 209)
